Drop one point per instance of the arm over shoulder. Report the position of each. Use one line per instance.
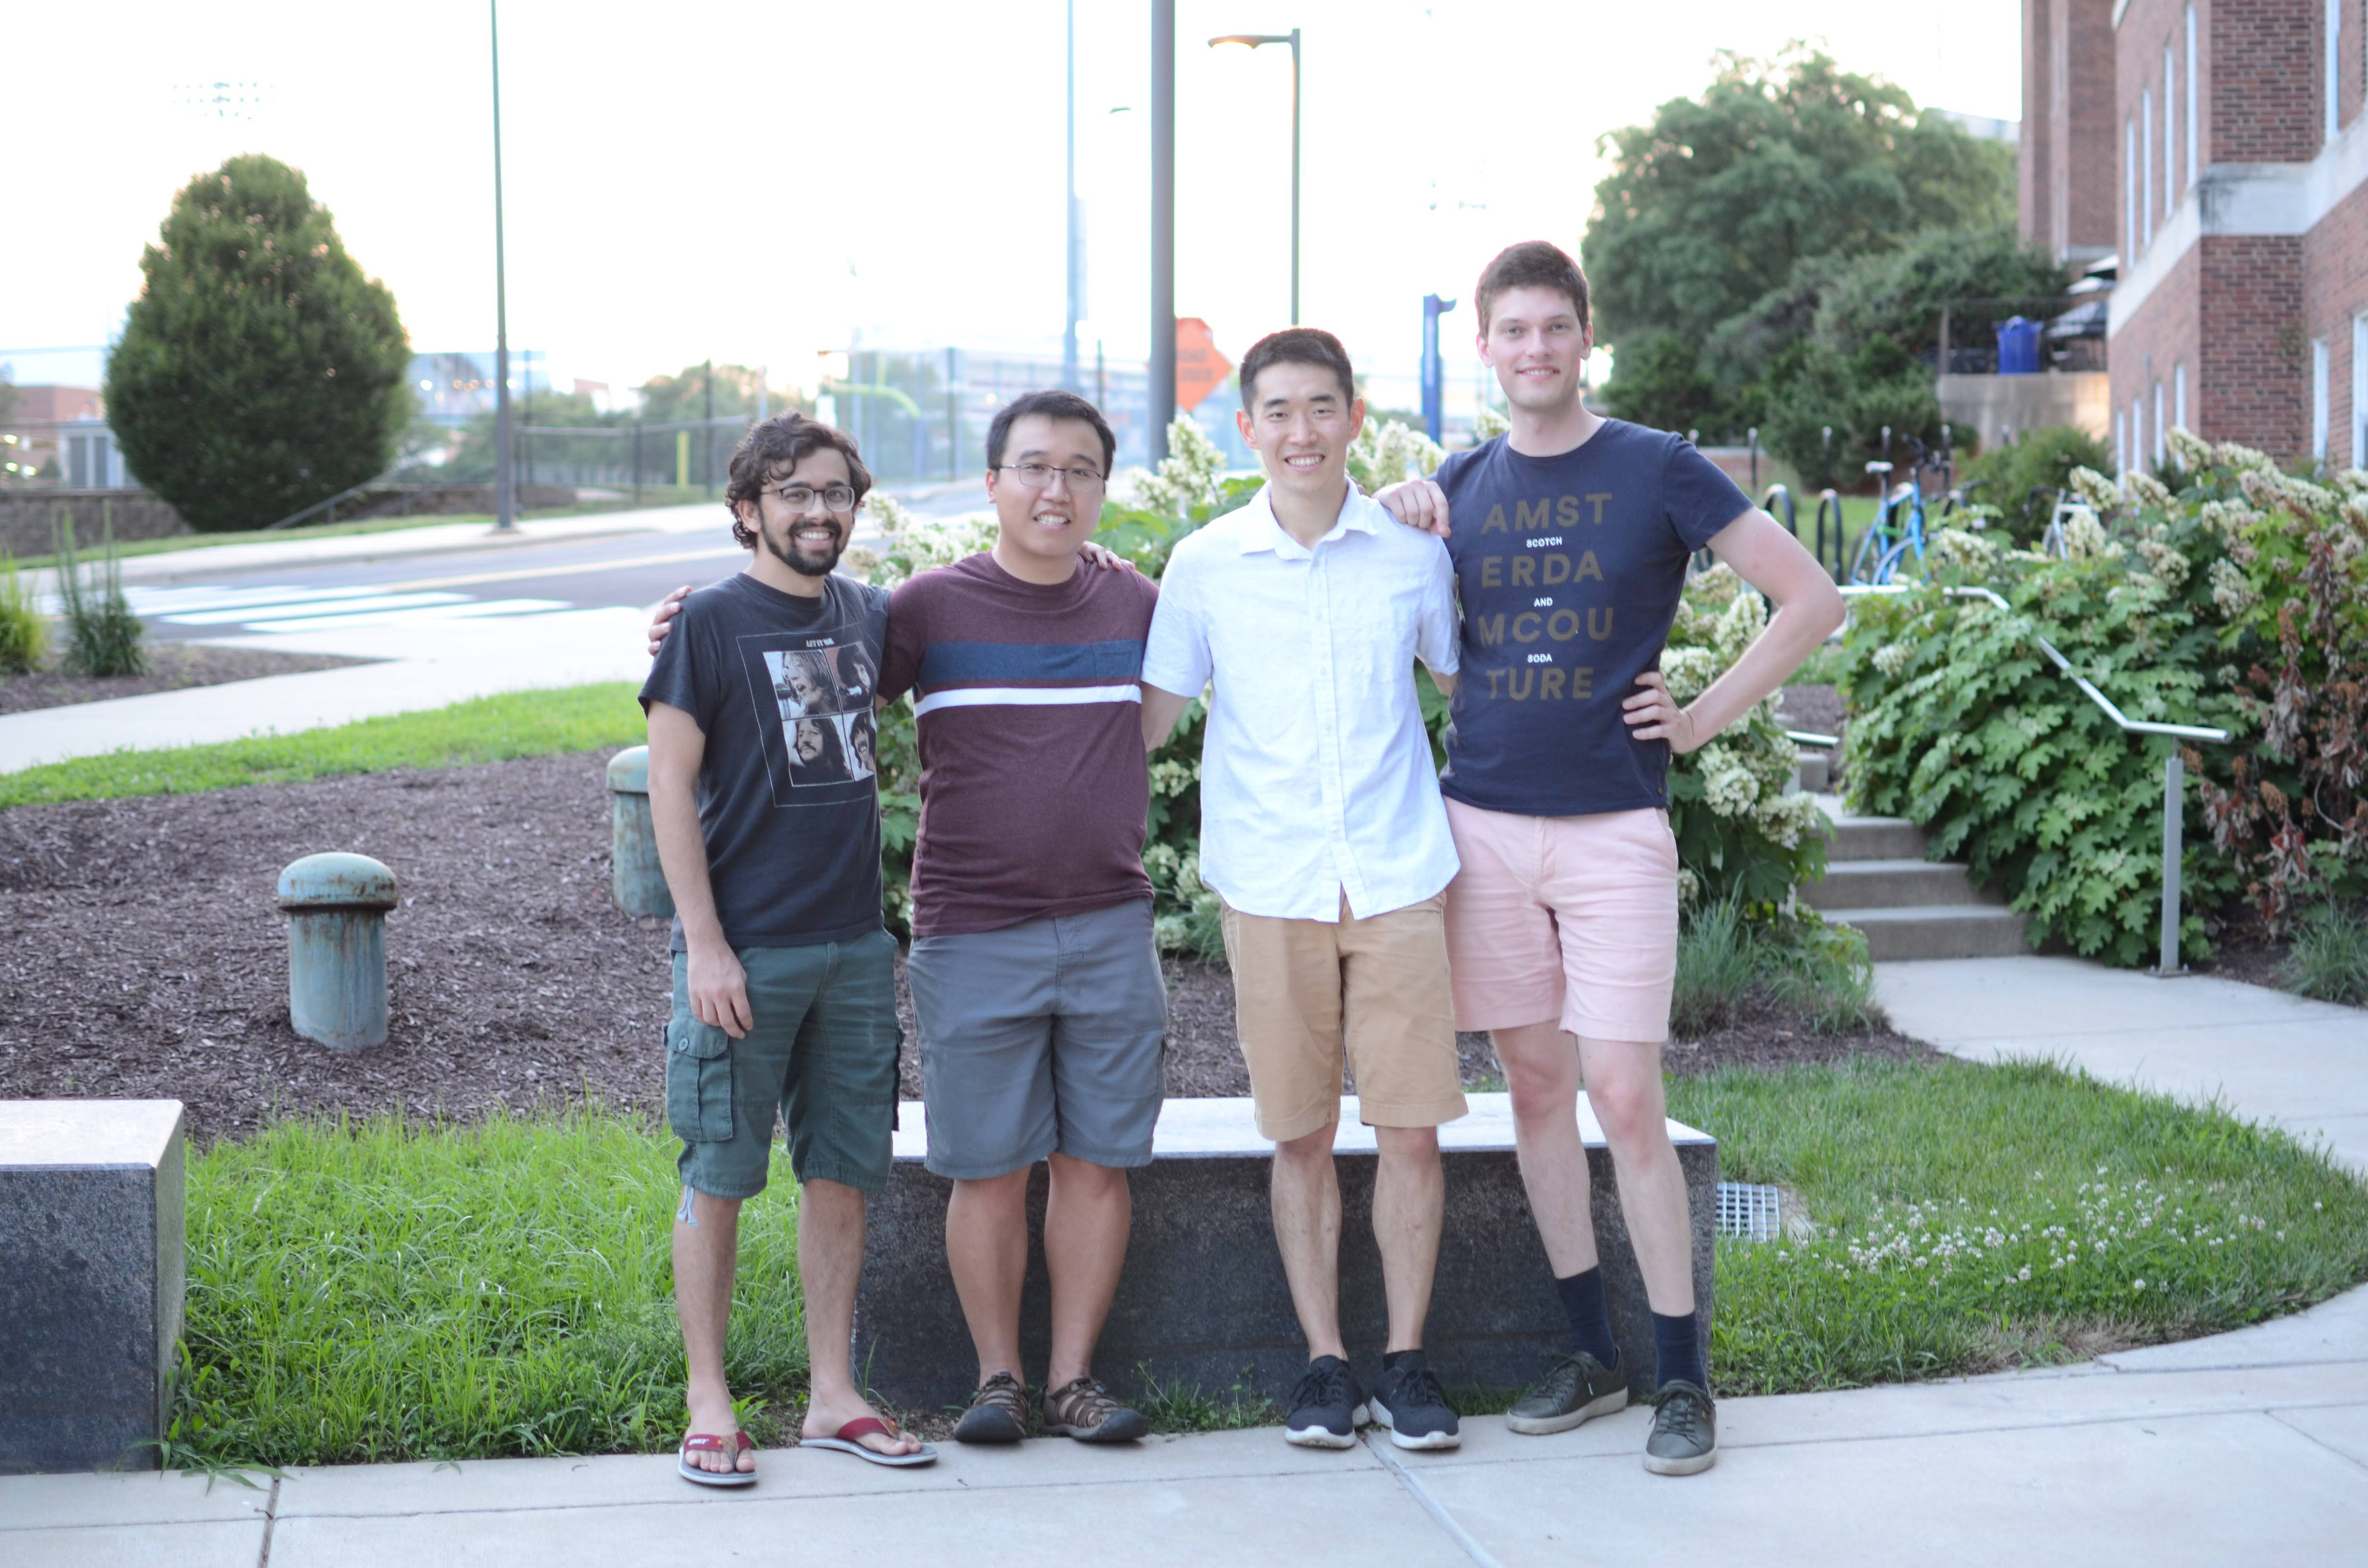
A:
(1175, 655)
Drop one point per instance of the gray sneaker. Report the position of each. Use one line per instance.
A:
(1577, 1388)
(1685, 1430)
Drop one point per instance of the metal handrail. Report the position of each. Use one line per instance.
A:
(2173, 770)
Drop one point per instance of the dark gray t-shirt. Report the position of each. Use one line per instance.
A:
(1569, 569)
(788, 804)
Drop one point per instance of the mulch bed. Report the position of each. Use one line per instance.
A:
(172, 667)
(145, 958)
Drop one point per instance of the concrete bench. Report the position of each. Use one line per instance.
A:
(1203, 1301)
(90, 1281)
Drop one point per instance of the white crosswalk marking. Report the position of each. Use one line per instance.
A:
(279, 610)
(256, 614)
(480, 609)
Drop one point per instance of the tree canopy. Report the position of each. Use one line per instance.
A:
(1716, 202)
(260, 371)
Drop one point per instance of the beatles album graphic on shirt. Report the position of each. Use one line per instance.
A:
(819, 690)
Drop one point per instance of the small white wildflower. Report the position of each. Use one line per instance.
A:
(2137, 1285)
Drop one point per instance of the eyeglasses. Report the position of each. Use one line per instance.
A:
(1036, 476)
(798, 498)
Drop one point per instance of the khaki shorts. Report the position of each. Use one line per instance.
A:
(1571, 920)
(1309, 994)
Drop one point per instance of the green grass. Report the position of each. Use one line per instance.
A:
(489, 729)
(2329, 956)
(1970, 1218)
(375, 1291)
(1800, 964)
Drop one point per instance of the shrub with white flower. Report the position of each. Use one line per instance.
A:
(2166, 564)
(1961, 550)
(2191, 450)
(2095, 488)
(2085, 538)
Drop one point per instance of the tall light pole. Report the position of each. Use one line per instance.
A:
(1290, 38)
(1163, 225)
(505, 495)
(1069, 330)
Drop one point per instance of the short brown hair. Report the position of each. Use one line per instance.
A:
(1298, 346)
(770, 450)
(1533, 264)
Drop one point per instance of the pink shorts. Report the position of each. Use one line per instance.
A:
(1569, 918)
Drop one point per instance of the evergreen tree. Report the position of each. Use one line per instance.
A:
(260, 371)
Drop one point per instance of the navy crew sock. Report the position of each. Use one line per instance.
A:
(1590, 1321)
(1677, 1350)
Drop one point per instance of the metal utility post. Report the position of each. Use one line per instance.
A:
(1434, 369)
(1069, 330)
(505, 495)
(1163, 225)
(1292, 38)
(707, 435)
(2173, 775)
(953, 418)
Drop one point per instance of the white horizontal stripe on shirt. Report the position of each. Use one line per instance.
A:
(1025, 696)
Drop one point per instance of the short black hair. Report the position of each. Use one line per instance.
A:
(1297, 346)
(772, 450)
(1053, 403)
(1533, 264)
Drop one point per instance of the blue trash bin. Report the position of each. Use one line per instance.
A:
(2018, 346)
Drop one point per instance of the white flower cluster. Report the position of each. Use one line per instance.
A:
(1170, 779)
(2232, 594)
(1787, 819)
(1189, 477)
(915, 546)
(1489, 422)
(1891, 657)
(2085, 538)
(2148, 490)
(2225, 518)
(2355, 512)
(1961, 548)
(2166, 564)
(2191, 450)
(1386, 452)
(2230, 454)
(2094, 488)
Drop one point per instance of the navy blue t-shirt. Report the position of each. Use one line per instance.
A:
(1569, 569)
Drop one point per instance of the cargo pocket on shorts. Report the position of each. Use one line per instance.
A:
(699, 1082)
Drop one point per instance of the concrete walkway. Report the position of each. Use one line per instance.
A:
(2244, 1448)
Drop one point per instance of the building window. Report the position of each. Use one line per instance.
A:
(2359, 392)
(2193, 157)
(2129, 192)
(2179, 397)
(2145, 166)
(2170, 122)
(2121, 441)
(2160, 452)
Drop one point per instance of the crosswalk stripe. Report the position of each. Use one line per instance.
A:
(334, 606)
(476, 609)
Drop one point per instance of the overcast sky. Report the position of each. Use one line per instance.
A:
(759, 181)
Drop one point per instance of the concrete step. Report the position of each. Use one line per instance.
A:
(1892, 884)
(1855, 837)
(1936, 931)
(1816, 771)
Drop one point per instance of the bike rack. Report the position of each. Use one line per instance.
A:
(2174, 772)
(1790, 517)
(1828, 499)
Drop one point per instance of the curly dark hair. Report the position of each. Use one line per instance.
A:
(770, 450)
(1533, 264)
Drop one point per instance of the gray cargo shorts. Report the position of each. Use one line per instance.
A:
(1041, 1037)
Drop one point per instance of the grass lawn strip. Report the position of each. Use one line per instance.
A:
(371, 1292)
(488, 729)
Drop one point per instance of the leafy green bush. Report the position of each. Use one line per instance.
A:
(103, 637)
(1796, 961)
(258, 370)
(2174, 606)
(2021, 480)
(23, 633)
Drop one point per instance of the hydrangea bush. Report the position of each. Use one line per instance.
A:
(2175, 606)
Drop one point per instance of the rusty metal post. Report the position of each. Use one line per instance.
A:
(336, 908)
(636, 878)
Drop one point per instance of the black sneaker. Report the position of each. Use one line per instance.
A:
(1327, 1406)
(997, 1413)
(1685, 1430)
(1409, 1402)
(1576, 1389)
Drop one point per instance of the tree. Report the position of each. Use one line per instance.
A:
(1659, 381)
(260, 371)
(1716, 202)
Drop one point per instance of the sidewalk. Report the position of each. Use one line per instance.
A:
(2247, 1447)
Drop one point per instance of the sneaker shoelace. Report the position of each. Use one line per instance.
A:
(1419, 1389)
(1682, 1413)
(1005, 1393)
(1566, 1378)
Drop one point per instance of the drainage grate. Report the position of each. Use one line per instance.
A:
(1750, 1211)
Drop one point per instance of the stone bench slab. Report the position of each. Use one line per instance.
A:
(1203, 1302)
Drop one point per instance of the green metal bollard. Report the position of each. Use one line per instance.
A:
(636, 878)
(336, 908)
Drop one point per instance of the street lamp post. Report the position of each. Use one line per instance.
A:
(505, 497)
(1162, 390)
(1069, 331)
(1290, 38)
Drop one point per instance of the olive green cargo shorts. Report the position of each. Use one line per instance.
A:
(820, 1053)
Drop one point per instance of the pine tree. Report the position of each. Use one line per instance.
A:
(260, 371)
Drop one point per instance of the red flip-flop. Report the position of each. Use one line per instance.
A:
(707, 1443)
(845, 1441)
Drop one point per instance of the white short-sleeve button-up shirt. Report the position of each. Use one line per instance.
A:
(1316, 778)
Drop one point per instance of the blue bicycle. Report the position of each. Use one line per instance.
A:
(1897, 530)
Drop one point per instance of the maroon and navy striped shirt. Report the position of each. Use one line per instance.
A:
(1034, 790)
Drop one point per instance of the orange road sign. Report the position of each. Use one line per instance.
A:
(1200, 368)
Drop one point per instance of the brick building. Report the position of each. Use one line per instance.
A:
(2236, 184)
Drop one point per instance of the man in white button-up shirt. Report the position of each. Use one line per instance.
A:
(1323, 830)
